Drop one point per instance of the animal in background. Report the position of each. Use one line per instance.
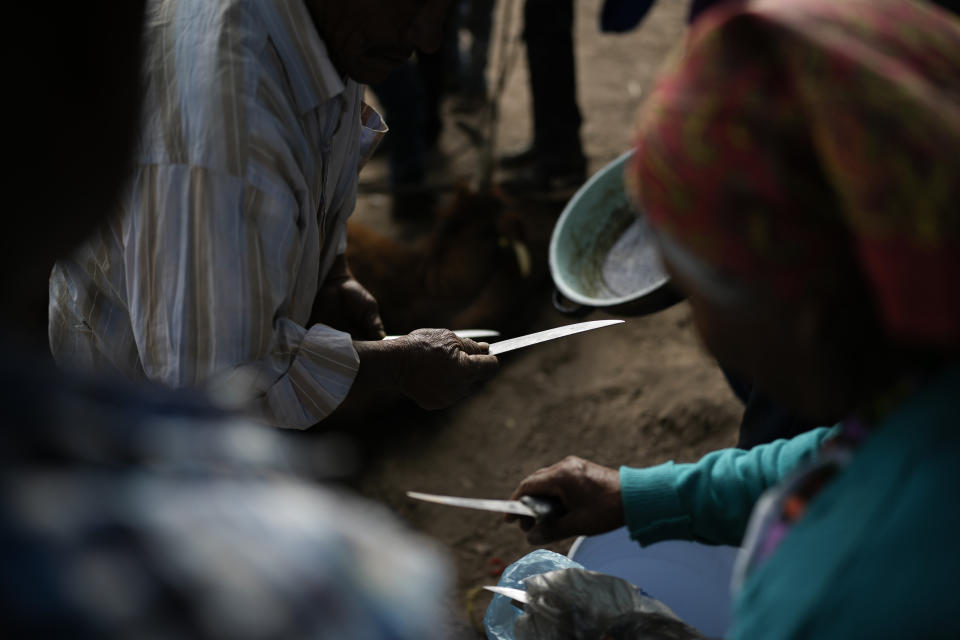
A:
(485, 258)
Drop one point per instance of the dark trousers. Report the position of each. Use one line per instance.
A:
(548, 32)
(403, 98)
(476, 16)
(411, 97)
(763, 419)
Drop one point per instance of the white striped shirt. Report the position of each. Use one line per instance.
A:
(247, 171)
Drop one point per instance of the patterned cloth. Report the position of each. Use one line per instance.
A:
(130, 513)
(793, 136)
(251, 144)
(781, 507)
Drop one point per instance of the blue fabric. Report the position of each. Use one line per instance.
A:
(875, 555)
(711, 500)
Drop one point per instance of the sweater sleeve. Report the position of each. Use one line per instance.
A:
(710, 500)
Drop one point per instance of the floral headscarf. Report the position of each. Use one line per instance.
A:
(791, 135)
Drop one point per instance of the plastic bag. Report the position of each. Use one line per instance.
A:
(501, 615)
(577, 604)
(568, 602)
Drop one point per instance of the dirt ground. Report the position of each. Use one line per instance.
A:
(638, 394)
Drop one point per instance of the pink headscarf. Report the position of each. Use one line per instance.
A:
(796, 133)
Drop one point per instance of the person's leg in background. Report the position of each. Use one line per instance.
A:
(434, 78)
(411, 97)
(477, 19)
(764, 420)
(401, 95)
(548, 32)
(558, 159)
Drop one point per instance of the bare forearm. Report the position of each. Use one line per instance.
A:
(379, 365)
(375, 386)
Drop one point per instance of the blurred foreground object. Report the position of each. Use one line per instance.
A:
(136, 512)
(127, 512)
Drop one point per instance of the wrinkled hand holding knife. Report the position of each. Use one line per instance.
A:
(535, 507)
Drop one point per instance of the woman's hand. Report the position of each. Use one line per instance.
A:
(588, 494)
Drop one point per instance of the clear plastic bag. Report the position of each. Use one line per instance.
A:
(568, 602)
(501, 614)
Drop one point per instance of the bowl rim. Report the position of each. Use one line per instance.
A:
(616, 164)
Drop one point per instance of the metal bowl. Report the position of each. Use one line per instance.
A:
(602, 254)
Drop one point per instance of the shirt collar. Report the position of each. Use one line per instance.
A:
(304, 55)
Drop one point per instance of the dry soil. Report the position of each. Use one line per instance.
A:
(637, 394)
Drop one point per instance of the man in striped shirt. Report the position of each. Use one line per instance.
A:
(224, 267)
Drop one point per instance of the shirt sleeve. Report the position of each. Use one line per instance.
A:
(213, 270)
(710, 500)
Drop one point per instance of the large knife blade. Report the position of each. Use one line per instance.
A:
(550, 334)
(529, 506)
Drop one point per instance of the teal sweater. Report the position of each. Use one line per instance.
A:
(877, 554)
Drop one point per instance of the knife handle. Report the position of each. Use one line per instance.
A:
(544, 507)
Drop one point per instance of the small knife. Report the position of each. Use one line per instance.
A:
(518, 597)
(530, 506)
(550, 334)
